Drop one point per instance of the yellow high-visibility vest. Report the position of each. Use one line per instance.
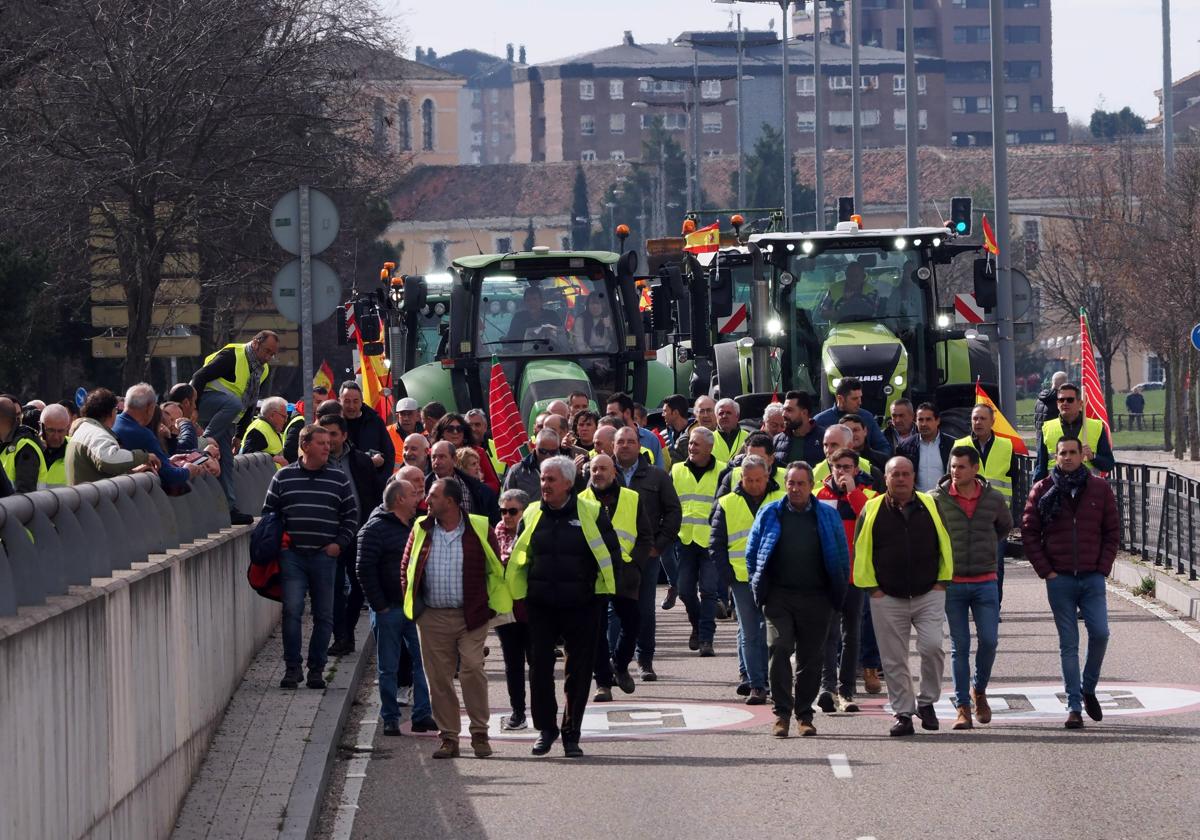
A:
(996, 465)
(1052, 433)
(624, 518)
(499, 598)
(517, 572)
(738, 520)
(241, 375)
(696, 498)
(864, 561)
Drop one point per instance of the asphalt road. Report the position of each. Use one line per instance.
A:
(683, 757)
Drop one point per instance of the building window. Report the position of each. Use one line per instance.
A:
(1155, 369)
(924, 38)
(616, 123)
(872, 37)
(437, 253)
(711, 123)
(870, 118)
(1021, 4)
(587, 89)
(900, 119)
(1050, 136)
(971, 104)
(839, 83)
(660, 86)
(616, 89)
(1022, 71)
(671, 122)
(616, 154)
(1012, 104)
(841, 119)
(476, 98)
(971, 4)
(710, 89)
(962, 72)
(427, 125)
(494, 96)
(1035, 104)
(972, 34)
(495, 137)
(477, 138)
(503, 244)
(806, 121)
(898, 84)
(587, 154)
(404, 126)
(712, 153)
(1022, 34)
(587, 124)
(868, 82)
(806, 85)
(380, 127)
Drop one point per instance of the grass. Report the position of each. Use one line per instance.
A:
(1146, 588)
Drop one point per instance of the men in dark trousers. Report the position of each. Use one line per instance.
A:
(798, 564)
(566, 555)
(695, 482)
(633, 530)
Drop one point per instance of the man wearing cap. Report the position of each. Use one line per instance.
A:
(408, 422)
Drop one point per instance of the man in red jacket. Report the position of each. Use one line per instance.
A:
(1071, 532)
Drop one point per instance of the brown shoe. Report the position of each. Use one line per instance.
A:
(983, 712)
(782, 725)
(448, 749)
(964, 719)
(479, 743)
(804, 727)
(871, 681)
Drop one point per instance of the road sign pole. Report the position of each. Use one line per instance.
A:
(306, 306)
(1004, 283)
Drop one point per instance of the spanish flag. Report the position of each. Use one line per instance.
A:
(324, 376)
(703, 240)
(1001, 428)
(989, 239)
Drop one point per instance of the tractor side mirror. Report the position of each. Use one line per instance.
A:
(416, 292)
(985, 283)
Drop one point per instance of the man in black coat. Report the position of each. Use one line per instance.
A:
(478, 498)
(1046, 407)
(368, 432)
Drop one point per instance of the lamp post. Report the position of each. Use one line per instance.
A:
(911, 126)
(1004, 296)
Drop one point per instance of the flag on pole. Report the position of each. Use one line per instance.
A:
(1093, 395)
(703, 240)
(1001, 427)
(508, 431)
(989, 239)
(324, 376)
(374, 373)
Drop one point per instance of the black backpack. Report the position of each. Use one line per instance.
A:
(266, 542)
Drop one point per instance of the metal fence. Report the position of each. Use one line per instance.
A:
(1160, 512)
(54, 539)
(1119, 422)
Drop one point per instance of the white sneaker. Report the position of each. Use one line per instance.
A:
(404, 695)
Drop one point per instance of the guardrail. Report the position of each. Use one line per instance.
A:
(1119, 422)
(1160, 512)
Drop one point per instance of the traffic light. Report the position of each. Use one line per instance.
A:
(960, 215)
(845, 208)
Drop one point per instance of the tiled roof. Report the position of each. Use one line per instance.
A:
(509, 190)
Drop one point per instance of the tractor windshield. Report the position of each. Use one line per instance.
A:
(846, 285)
(534, 316)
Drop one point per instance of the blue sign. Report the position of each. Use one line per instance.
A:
(1196, 336)
(81, 392)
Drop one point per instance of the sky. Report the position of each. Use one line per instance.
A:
(1092, 68)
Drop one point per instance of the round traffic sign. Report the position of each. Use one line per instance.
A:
(326, 291)
(1196, 336)
(80, 396)
(323, 221)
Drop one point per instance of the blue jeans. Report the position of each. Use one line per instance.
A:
(669, 560)
(752, 636)
(1000, 572)
(308, 572)
(394, 631)
(982, 600)
(219, 412)
(868, 652)
(697, 585)
(1070, 595)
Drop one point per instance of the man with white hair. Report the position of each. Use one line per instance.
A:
(1046, 407)
(132, 430)
(565, 560)
(416, 451)
(729, 436)
(774, 419)
(525, 475)
(695, 483)
(55, 423)
(265, 432)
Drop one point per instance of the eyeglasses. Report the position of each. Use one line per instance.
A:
(546, 453)
(510, 511)
(845, 466)
(1066, 399)
(454, 430)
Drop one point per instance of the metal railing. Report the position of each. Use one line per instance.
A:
(1159, 508)
(1119, 422)
(54, 539)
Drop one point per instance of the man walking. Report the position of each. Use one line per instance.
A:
(801, 440)
(566, 557)
(997, 465)
(930, 451)
(695, 483)
(902, 557)
(903, 426)
(730, 436)
(366, 429)
(675, 416)
(1071, 531)
(1071, 423)
(798, 565)
(453, 585)
(975, 514)
(848, 400)
(317, 507)
(381, 543)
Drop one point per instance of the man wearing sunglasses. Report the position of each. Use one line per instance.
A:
(1072, 425)
(527, 474)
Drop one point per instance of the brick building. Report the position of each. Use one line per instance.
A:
(1185, 104)
(486, 130)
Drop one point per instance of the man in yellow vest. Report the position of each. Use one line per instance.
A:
(634, 533)
(903, 558)
(228, 386)
(997, 466)
(20, 450)
(265, 432)
(731, 520)
(729, 437)
(696, 579)
(55, 423)
(836, 438)
(1071, 423)
(453, 585)
(566, 558)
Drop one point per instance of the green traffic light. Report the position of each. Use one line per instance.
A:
(961, 227)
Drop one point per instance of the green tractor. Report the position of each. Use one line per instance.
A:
(793, 310)
(557, 321)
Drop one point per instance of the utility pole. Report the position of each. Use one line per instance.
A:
(855, 106)
(695, 129)
(818, 141)
(741, 152)
(1004, 294)
(911, 127)
(1168, 104)
(783, 88)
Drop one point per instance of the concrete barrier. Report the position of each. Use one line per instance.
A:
(112, 680)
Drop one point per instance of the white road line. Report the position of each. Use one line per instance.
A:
(1155, 610)
(356, 770)
(840, 765)
(864, 838)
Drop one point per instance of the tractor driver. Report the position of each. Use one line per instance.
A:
(533, 321)
(855, 303)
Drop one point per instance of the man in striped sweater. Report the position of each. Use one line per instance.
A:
(319, 517)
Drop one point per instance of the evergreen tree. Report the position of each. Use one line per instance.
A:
(764, 187)
(529, 238)
(581, 225)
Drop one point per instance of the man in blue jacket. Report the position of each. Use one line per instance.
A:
(798, 589)
(132, 432)
(848, 399)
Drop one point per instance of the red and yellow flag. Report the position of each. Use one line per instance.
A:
(1001, 428)
(323, 378)
(703, 240)
(989, 239)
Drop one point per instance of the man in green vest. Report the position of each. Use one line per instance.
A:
(265, 432)
(55, 423)
(566, 558)
(730, 436)
(997, 466)
(228, 387)
(903, 558)
(1072, 424)
(634, 533)
(20, 450)
(695, 483)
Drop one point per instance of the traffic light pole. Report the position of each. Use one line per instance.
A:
(1004, 292)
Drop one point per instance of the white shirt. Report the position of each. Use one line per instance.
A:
(931, 469)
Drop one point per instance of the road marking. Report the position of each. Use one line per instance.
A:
(841, 766)
(628, 719)
(1155, 610)
(356, 770)
(864, 838)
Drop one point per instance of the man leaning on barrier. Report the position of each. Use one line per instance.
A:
(94, 452)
